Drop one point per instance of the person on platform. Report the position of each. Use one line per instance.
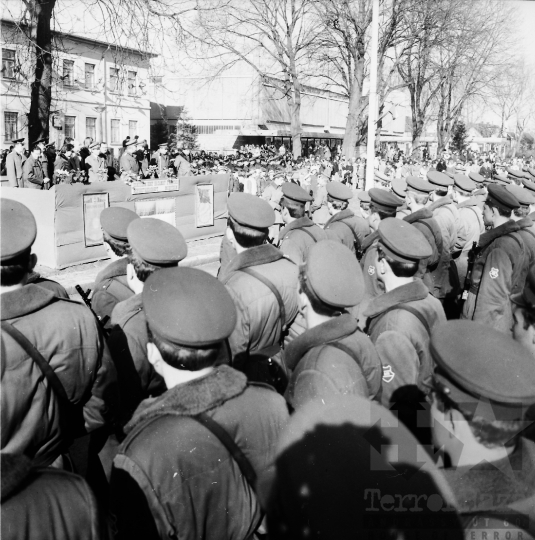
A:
(207, 410)
(14, 162)
(160, 158)
(300, 232)
(33, 175)
(182, 164)
(154, 244)
(50, 153)
(63, 163)
(128, 162)
(332, 356)
(111, 283)
(47, 338)
(95, 165)
(109, 162)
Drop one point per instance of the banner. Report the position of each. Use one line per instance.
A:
(163, 209)
(93, 205)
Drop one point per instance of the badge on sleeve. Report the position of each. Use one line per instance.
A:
(494, 273)
(371, 270)
(388, 374)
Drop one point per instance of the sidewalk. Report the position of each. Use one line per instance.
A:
(200, 252)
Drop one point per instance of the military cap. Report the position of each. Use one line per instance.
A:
(402, 241)
(415, 183)
(532, 172)
(339, 191)
(485, 372)
(132, 142)
(188, 307)
(321, 216)
(459, 167)
(41, 140)
(463, 182)
(162, 144)
(476, 177)
(115, 220)
(16, 141)
(18, 230)
(295, 193)
(250, 211)
(501, 198)
(48, 145)
(364, 197)
(399, 188)
(439, 179)
(515, 173)
(94, 145)
(501, 179)
(448, 174)
(526, 299)
(334, 275)
(384, 200)
(523, 196)
(156, 242)
(528, 184)
(381, 176)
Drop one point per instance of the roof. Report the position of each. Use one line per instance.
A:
(158, 111)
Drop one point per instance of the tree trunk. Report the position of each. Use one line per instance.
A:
(351, 135)
(295, 119)
(41, 87)
(417, 132)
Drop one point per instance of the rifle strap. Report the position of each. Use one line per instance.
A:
(404, 307)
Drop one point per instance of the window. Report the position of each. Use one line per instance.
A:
(89, 72)
(8, 63)
(10, 126)
(70, 123)
(132, 83)
(132, 128)
(114, 80)
(91, 128)
(115, 132)
(68, 73)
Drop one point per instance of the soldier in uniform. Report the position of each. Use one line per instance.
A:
(400, 321)
(300, 232)
(45, 337)
(95, 165)
(344, 225)
(524, 313)
(499, 269)
(33, 176)
(154, 244)
(515, 176)
(14, 162)
(261, 281)
(479, 404)
(128, 162)
(332, 356)
(207, 411)
(43, 158)
(111, 284)
(160, 158)
(399, 188)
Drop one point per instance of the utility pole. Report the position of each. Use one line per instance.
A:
(372, 102)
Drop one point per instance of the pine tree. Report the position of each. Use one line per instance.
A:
(185, 134)
(459, 138)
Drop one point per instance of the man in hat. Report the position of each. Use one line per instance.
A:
(479, 404)
(400, 321)
(300, 232)
(207, 411)
(160, 158)
(42, 143)
(515, 176)
(399, 188)
(524, 313)
(14, 162)
(33, 175)
(182, 165)
(128, 162)
(344, 226)
(499, 269)
(154, 244)
(332, 356)
(261, 281)
(95, 165)
(41, 330)
(111, 284)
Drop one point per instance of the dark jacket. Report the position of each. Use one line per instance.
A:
(298, 237)
(128, 163)
(110, 289)
(321, 370)
(68, 337)
(348, 229)
(33, 174)
(173, 479)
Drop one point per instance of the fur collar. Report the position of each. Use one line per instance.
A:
(333, 330)
(488, 237)
(441, 202)
(264, 254)
(28, 299)
(15, 470)
(344, 214)
(402, 295)
(423, 213)
(194, 397)
(296, 224)
(114, 269)
(524, 223)
(369, 240)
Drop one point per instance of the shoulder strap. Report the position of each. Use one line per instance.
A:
(413, 312)
(37, 357)
(304, 229)
(228, 442)
(272, 288)
(473, 208)
(344, 348)
(357, 240)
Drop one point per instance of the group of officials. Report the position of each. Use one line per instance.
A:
(361, 370)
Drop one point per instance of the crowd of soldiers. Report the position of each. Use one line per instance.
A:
(361, 365)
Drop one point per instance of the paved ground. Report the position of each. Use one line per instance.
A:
(203, 254)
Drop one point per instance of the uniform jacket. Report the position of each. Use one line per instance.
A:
(173, 479)
(110, 288)
(259, 323)
(446, 215)
(96, 168)
(226, 253)
(162, 162)
(182, 166)
(471, 227)
(372, 286)
(68, 337)
(498, 272)
(129, 163)
(14, 162)
(43, 503)
(296, 238)
(128, 347)
(321, 371)
(53, 286)
(33, 174)
(400, 339)
(348, 229)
